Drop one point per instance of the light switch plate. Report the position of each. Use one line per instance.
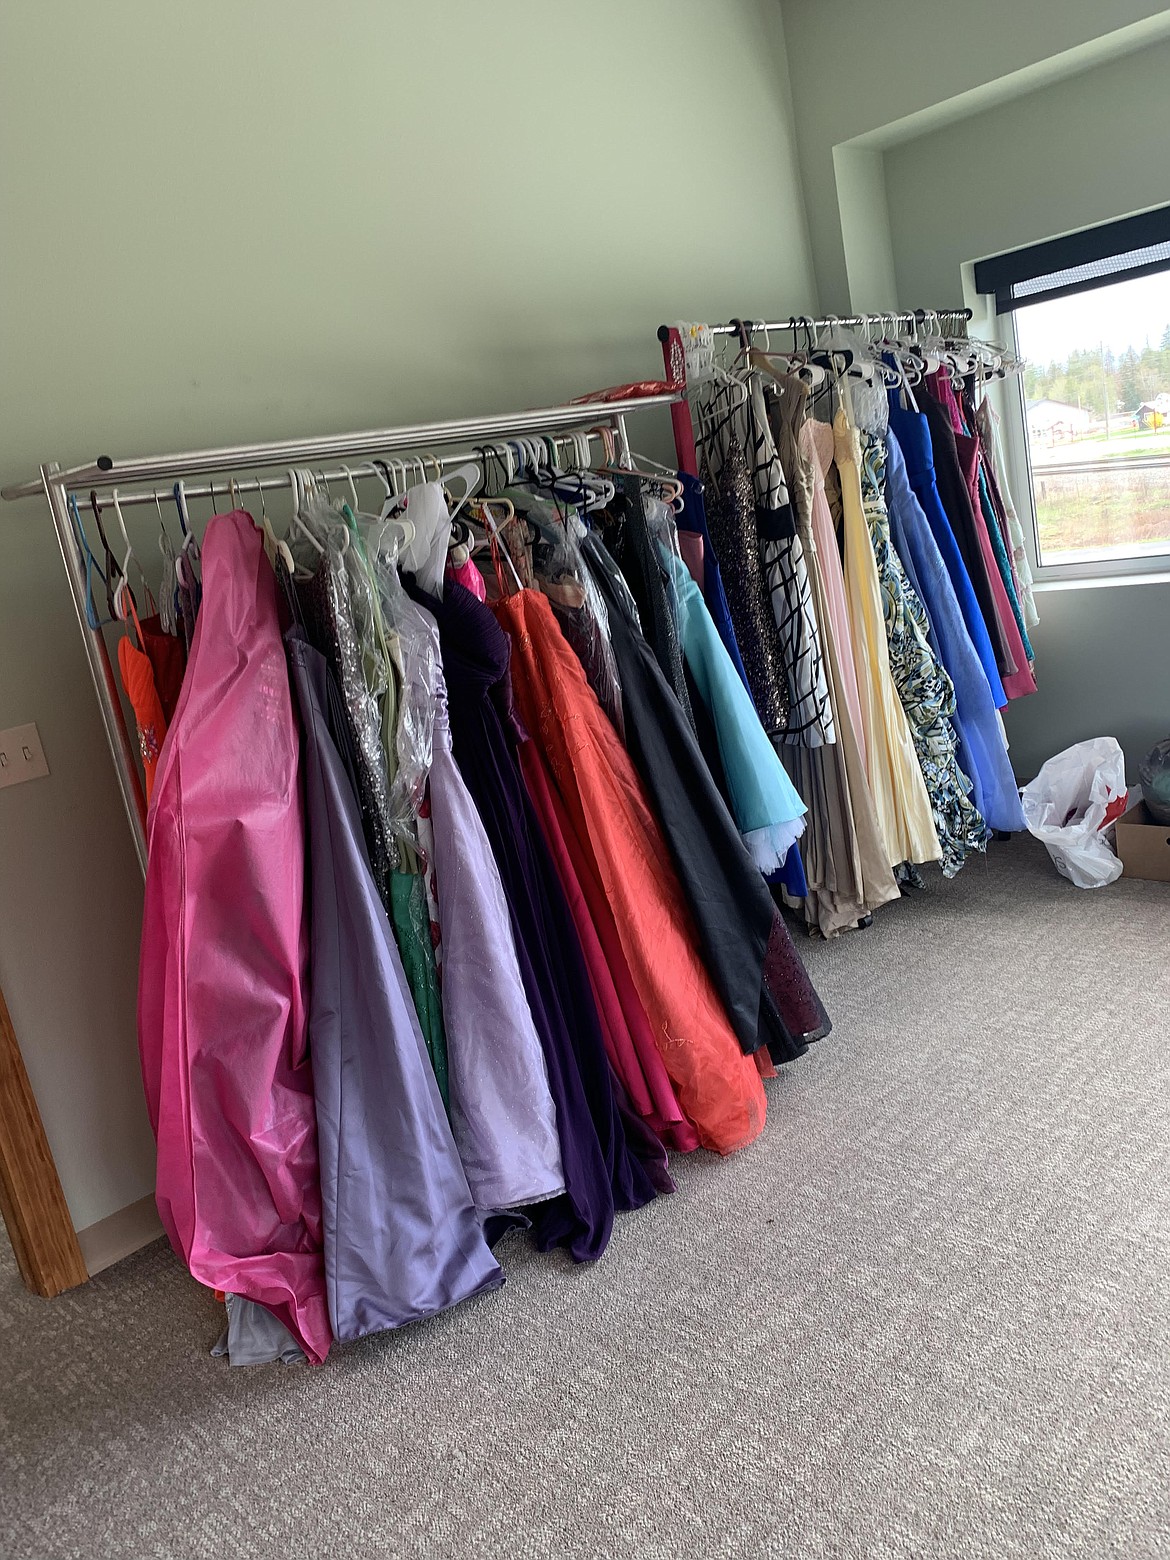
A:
(21, 755)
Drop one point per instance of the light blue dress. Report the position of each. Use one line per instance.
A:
(767, 809)
(982, 749)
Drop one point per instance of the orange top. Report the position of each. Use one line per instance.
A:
(138, 681)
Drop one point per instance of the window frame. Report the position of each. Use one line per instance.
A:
(1092, 571)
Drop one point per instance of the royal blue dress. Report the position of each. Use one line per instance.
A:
(913, 436)
(982, 753)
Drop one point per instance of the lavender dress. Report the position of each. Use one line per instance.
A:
(502, 1111)
(402, 1235)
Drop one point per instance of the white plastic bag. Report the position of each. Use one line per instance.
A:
(1070, 804)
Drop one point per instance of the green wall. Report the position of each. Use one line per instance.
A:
(1064, 157)
(858, 68)
(226, 222)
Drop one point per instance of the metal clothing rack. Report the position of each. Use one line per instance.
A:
(674, 357)
(470, 433)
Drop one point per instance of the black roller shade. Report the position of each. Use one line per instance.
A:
(1094, 257)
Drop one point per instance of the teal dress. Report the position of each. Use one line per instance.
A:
(767, 809)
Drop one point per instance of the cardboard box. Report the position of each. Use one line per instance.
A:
(1143, 845)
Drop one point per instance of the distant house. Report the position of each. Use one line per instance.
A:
(1055, 421)
(1155, 413)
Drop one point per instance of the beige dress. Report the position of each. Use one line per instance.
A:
(895, 777)
(849, 874)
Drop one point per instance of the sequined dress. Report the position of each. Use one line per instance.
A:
(731, 521)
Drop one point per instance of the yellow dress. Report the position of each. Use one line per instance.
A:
(895, 778)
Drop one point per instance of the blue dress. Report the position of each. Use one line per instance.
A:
(403, 1239)
(982, 753)
(764, 802)
(913, 436)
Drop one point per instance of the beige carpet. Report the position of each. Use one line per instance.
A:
(927, 1315)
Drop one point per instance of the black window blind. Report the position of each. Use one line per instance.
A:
(1094, 257)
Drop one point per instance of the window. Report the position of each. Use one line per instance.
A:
(1092, 317)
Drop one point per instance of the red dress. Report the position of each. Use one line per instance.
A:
(629, 1039)
(717, 1086)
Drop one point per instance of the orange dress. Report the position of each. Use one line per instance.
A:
(717, 1086)
(138, 681)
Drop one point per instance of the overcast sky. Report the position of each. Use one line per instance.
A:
(1126, 314)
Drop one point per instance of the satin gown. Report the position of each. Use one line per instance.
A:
(717, 1085)
(221, 995)
(403, 1239)
(911, 430)
(895, 779)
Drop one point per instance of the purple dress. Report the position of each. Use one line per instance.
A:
(502, 1112)
(402, 1236)
(602, 1171)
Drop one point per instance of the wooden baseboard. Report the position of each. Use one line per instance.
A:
(31, 1200)
(109, 1240)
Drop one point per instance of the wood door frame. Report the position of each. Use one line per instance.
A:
(31, 1200)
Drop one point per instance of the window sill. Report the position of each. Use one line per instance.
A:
(1100, 581)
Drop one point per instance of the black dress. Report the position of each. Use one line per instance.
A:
(602, 1170)
(956, 501)
(746, 946)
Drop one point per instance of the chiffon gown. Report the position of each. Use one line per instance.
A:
(982, 752)
(403, 1239)
(629, 1039)
(502, 1112)
(895, 779)
(221, 997)
(601, 1171)
(718, 1086)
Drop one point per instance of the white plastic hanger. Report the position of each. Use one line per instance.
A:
(190, 548)
(471, 475)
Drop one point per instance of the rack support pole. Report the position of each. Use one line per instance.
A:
(98, 657)
(675, 363)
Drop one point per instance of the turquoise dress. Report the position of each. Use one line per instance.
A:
(767, 809)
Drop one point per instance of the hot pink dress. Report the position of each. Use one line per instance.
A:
(221, 991)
